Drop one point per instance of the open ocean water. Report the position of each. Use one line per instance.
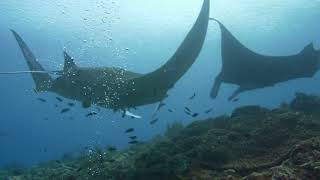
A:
(140, 36)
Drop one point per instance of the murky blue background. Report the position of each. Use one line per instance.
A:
(139, 35)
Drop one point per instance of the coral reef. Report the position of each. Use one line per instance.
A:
(253, 143)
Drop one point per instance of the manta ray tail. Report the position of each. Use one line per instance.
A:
(216, 87)
(218, 80)
(43, 80)
(236, 93)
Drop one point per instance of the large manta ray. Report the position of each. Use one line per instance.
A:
(250, 70)
(116, 88)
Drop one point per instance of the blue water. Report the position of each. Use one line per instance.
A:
(139, 35)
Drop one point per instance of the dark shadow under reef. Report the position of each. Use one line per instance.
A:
(252, 143)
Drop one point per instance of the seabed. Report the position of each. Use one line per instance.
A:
(253, 143)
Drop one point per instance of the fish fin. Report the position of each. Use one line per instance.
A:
(308, 49)
(43, 81)
(69, 64)
(216, 86)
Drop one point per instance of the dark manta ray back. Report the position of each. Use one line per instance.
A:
(117, 88)
(250, 70)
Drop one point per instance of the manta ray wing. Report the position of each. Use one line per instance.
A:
(164, 78)
(250, 70)
(42, 80)
(121, 89)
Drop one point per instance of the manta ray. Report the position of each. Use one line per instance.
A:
(117, 88)
(250, 70)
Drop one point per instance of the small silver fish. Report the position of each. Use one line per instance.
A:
(208, 111)
(129, 130)
(154, 121)
(71, 104)
(187, 112)
(41, 100)
(193, 96)
(64, 110)
(236, 100)
(134, 142)
(187, 109)
(59, 99)
(195, 114)
(91, 114)
(133, 137)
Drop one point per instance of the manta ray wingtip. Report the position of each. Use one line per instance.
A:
(40, 76)
(214, 19)
(13, 31)
(16, 35)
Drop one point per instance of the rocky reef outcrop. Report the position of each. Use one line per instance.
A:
(253, 143)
